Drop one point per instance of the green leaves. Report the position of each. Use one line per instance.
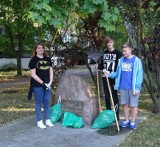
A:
(33, 15)
(48, 12)
(116, 11)
(56, 13)
(98, 2)
(108, 15)
(109, 18)
(42, 6)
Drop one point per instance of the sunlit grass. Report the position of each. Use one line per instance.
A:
(12, 75)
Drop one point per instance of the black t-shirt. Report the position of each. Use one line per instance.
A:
(42, 66)
(109, 60)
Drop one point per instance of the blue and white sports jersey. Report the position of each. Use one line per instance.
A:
(127, 74)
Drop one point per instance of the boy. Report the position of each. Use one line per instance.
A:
(129, 76)
(110, 62)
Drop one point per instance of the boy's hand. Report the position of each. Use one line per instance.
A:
(106, 73)
(136, 93)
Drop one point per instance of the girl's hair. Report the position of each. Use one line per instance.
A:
(127, 45)
(108, 39)
(35, 47)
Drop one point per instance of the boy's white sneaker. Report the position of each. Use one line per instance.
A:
(48, 123)
(40, 124)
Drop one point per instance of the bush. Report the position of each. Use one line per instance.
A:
(9, 67)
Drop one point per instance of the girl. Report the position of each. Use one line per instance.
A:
(41, 79)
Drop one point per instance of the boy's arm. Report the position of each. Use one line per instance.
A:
(139, 78)
(114, 75)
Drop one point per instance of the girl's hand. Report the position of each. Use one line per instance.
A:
(50, 83)
(47, 86)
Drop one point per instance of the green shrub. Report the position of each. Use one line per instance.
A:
(8, 67)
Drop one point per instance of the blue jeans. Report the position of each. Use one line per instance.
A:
(42, 96)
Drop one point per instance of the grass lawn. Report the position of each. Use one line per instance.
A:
(13, 102)
(14, 106)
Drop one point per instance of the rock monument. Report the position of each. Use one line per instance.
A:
(78, 97)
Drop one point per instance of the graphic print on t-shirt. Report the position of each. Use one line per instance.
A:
(109, 61)
(127, 66)
(43, 65)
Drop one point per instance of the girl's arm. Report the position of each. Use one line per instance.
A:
(35, 77)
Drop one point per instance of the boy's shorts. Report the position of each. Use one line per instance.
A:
(127, 97)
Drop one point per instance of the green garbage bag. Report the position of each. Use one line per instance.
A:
(104, 119)
(71, 120)
(56, 112)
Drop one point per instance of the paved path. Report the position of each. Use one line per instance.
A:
(24, 133)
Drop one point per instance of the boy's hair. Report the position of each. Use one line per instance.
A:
(108, 39)
(127, 45)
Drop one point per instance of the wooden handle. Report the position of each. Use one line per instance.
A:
(113, 107)
(99, 100)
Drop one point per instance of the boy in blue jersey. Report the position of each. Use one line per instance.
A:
(129, 74)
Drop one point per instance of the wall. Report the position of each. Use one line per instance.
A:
(4, 61)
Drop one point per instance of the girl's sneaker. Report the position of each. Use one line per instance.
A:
(48, 123)
(132, 125)
(125, 124)
(40, 124)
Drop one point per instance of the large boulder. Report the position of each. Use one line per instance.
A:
(77, 97)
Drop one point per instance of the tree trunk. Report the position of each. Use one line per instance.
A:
(19, 55)
(19, 70)
(152, 87)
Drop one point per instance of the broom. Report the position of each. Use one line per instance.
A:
(112, 104)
